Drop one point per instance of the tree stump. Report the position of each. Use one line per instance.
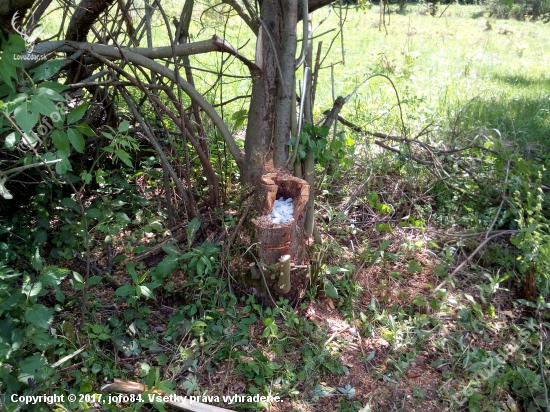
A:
(277, 240)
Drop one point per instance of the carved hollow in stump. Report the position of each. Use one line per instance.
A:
(281, 239)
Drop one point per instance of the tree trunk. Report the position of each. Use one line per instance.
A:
(266, 91)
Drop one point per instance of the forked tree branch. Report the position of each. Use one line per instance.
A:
(249, 20)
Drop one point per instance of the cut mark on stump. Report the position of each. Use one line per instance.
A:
(279, 229)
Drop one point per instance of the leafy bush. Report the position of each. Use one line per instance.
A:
(26, 339)
(520, 10)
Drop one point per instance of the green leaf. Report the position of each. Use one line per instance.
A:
(336, 145)
(131, 268)
(43, 341)
(96, 367)
(78, 277)
(124, 126)
(171, 249)
(240, 122)
(16, 101)
(77, 113)
(123, 217)
(12, 140)
(50, 93)
(93, 213)
(335, 269)
(39, 315)
(32, 290)
(327, 154)
(167, 265)
(47, 70)
(44, 105)
(60, 296)
(36, 260)
(192, 229)
(26, 116)
(7, 72)
(527, 303)
(60, 140)
(238, 114)
(63, 166)
(162, 359)
(321, 131)
(330, 290)
(139, 249)
(30, 139)
(124, 156)
(419, 301)
(119, 258)
(55, 86)
(94, 280)
(200, 266)
(86, 177)
(85, 129)
(414, 267)
(85, 387)
(32, 364)
(145, 291)
(76, 139)
(70, 203)
(124, 290)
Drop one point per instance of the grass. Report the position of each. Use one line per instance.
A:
(375, 333)
(445, 66)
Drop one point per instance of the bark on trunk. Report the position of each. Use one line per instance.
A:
(261, 117)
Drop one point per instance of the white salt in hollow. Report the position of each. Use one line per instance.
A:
(282, 211)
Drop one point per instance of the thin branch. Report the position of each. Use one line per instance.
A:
(180, 402)
(250, 22)
(25, 167)
(143, 61)
(164, 160)
(469, 258)
(305, 34)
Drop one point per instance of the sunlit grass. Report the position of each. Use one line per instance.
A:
(443, 67)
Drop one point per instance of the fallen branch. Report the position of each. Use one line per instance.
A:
(155, 250)
(475, 252)
(183, 403)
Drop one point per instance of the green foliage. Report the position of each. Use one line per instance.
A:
(340, 149)
(529, 202)
(133, 292)
(26, 337)
(519, 10)
(39, 105)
